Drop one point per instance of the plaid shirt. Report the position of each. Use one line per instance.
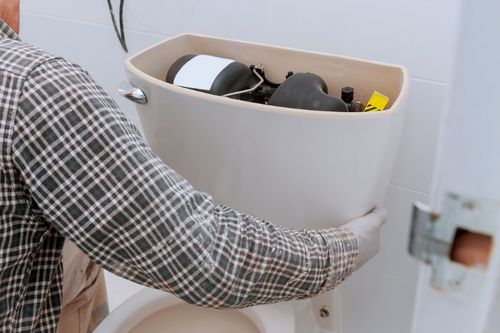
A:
(73, 166)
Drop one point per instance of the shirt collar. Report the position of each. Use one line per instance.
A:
(7, 32)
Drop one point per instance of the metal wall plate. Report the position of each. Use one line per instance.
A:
(432, 236)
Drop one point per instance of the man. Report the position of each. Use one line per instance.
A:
(76, 174)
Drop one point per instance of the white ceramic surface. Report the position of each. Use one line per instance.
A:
(294, 167)
(276, 318)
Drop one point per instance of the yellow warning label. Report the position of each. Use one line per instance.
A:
(377, 102)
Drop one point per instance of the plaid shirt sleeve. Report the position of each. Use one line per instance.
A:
(94, 179)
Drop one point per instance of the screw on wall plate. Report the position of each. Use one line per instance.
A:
(434, 217)
(469, 205)
(324, 312)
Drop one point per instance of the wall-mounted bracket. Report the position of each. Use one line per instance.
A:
(433, 239)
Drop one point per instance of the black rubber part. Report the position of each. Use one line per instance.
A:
(347, 94)
(176, 67)
(306, 91)
(235, 77)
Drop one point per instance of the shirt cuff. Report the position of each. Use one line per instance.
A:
(343, 250)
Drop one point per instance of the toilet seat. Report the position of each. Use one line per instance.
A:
(276, 318)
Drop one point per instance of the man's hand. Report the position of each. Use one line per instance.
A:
(367, 231)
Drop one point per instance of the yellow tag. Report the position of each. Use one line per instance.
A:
(377, 102)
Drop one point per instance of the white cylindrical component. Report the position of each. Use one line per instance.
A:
(201, 71)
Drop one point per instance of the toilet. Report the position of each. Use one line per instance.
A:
(296, 168)
(154, 311)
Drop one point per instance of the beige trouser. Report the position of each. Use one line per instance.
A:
(85, 302)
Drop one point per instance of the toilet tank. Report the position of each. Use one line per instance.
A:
(296, 168)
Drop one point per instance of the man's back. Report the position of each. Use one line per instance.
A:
(29, 278)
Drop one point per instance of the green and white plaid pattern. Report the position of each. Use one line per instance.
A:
(73, 166)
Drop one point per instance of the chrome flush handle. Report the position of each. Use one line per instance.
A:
(131, 92)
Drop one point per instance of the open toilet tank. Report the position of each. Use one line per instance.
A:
(296, 168)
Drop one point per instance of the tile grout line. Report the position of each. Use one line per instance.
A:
(437, 82)
(101, 25)
(391, 276)
(401, 187)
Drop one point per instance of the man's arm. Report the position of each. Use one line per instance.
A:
(97, 182)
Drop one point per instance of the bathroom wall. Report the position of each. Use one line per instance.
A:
(420, 35)
(468, 166)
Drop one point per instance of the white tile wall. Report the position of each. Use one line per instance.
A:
(417, 34)
(56, 8)
(59, 43)
(420, 135)
(373, 302)
(393, 259)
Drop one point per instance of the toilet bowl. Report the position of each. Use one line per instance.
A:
(154, 311)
